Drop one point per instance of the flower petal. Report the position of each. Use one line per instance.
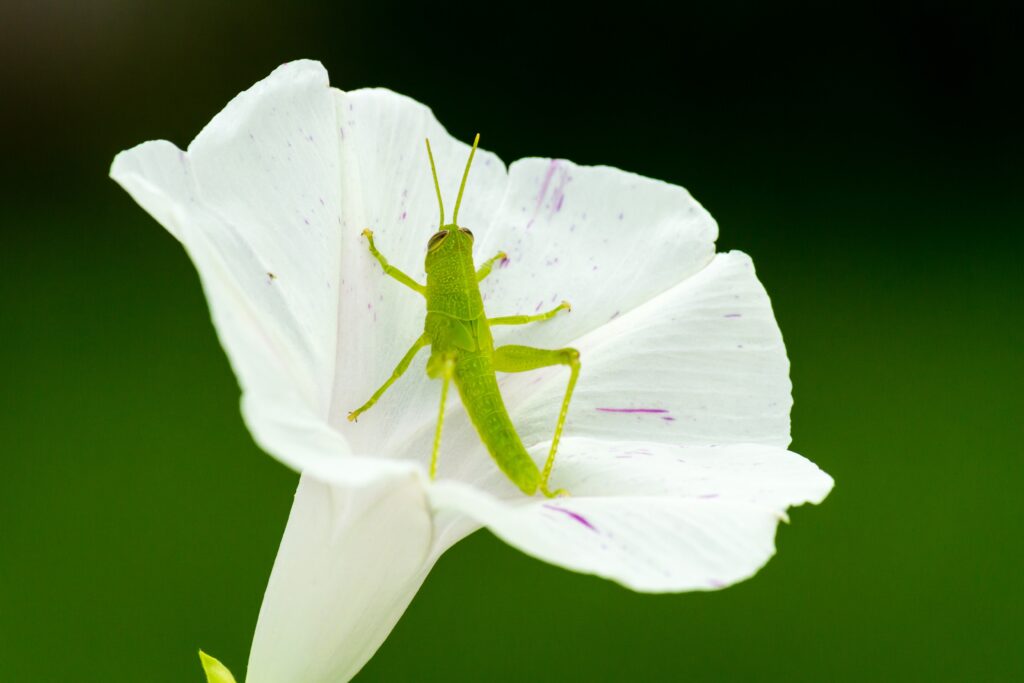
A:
(336, 590)
(265, 195)
(653, 517)
(747, 473)
(387, 186)
(267, 168)
(605, 240)
(256, 202)
(701, 363)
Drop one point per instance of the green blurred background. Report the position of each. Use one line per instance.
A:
(868, 157)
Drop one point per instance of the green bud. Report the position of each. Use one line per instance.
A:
(215, 671)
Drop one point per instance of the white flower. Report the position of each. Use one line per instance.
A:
(675, 447)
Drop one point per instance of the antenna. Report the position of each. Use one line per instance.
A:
(465, 175)
(433, 170)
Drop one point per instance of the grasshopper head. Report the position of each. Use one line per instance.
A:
(448, 241)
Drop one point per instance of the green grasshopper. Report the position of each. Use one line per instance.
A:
(462, 349)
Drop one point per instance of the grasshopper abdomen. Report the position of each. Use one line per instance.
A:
(478, 388)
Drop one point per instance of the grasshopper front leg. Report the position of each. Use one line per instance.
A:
(390, 269)
(485, 269)
(524, 358)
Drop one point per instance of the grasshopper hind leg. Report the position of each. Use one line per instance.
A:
(524, 358)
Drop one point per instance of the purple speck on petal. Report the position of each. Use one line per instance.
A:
(539, 304)
(715, 583)
(403, 215)
(667, 418)
(652, 411)
(552, 167)
(732, 315)
(558, 194)
(306, 221)
(578, 517)
(708, 496)
(616, 313)
(503, 263)
(620, 215)
(321, 201)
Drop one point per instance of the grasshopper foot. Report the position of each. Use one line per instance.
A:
(557, 493)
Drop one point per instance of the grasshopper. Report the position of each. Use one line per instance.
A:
(458, 332)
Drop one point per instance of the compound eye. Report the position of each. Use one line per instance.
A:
(436, 240)
(466, 231)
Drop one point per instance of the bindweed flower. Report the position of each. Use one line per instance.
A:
(675, 447)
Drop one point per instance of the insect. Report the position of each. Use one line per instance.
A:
(458, 332)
